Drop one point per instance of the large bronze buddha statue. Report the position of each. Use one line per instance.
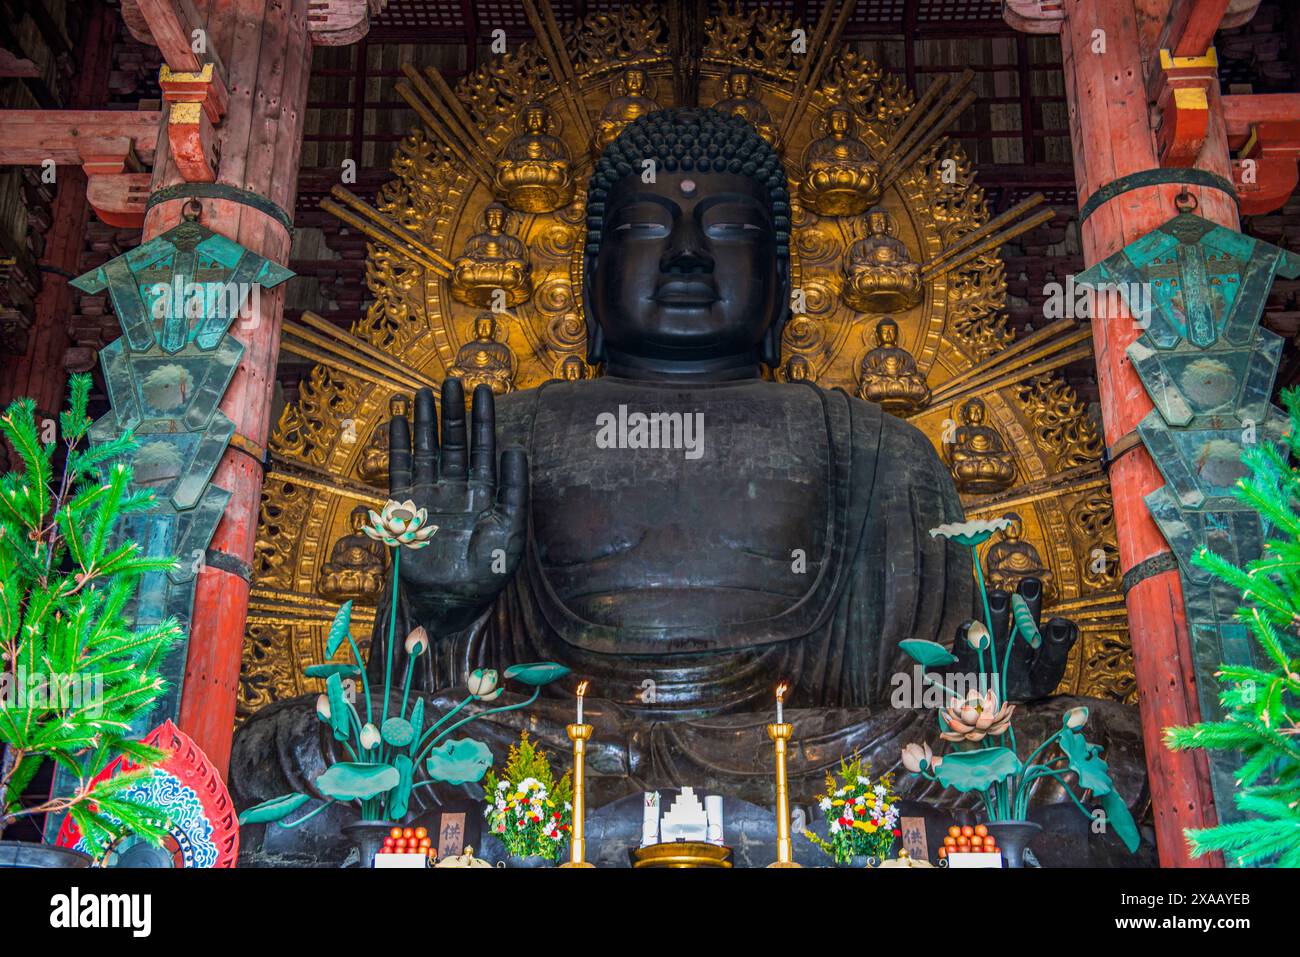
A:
(784, 537)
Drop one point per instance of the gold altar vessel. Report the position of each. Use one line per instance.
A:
(682, 854)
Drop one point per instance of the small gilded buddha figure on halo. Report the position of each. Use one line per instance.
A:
(889, 376)
(484, 360)
(631, 99)
(840, 176)
(1011, 560)
(799, 369)
(373, 467)
(572, 369)
(978, 457)
(738, 99)
(355, 570)
(492, 260)
(534, 173)
(879, 272)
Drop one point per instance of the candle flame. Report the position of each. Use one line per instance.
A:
(781, 689)
(582, 689)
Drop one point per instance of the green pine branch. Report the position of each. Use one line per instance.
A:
(67, 578)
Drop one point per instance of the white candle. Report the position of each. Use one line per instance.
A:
(582, 691)
(780, 704)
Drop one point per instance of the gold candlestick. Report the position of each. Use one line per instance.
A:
(578, 734)
(780, 734)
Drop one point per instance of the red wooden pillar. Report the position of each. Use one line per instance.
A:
(266, 50)
(1111, 130)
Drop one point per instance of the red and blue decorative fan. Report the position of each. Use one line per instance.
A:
(203, 829)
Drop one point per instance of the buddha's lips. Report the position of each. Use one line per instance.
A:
(678, 293)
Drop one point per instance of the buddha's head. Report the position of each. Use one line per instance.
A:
(839, 120)
(535, 117)
(797, 370)
(887, 333)
(972, 413)
(740, 83)
(1013, 531)
(571, 370)
(357, 520)
(880, 223)
(634, 81)
(690, 271)
(494, 217)
(485, 327)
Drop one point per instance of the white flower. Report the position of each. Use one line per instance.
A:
(835, 827)
(502, 785)
(824, 804)
(400, 523)
(977, 636)
(323, 707)
(482, 682)
(1076, 718)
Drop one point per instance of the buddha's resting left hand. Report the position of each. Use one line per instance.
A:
(481, 521)
(1031, 672)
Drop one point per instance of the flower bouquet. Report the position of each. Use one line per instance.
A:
(985, 759)
(527, 809)
(862, 817)
(387, 751)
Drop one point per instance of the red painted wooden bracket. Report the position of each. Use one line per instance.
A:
(119, 199)
(1266, 171)
(199, 101)
(1183, 86)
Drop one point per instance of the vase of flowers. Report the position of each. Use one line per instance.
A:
(861, 816)
(530, 812)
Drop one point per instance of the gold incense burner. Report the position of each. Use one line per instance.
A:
(682, 854)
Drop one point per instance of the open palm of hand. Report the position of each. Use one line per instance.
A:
(481, 516)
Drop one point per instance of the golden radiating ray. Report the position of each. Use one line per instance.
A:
(994, 234)
(432, 111)
(341, 355)
(822, 47)
(926, 123)
(995, 366)
(1012, 377)
(298, 474)
(353, 341)
(364, 217)
(551, 42)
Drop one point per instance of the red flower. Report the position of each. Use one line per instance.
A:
(897, 833)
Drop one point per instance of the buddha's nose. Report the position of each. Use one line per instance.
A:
(687, 250)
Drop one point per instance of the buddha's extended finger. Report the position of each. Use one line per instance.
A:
(483, 453)
(399, 456)
(1031, 590)
(512, 493)
(426, 438)
(454, 457)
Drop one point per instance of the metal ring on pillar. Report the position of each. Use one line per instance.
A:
(233, 194)
(1157, 177)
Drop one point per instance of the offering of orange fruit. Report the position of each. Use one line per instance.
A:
(409, 840)
(965, 839)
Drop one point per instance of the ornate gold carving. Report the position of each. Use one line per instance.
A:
(889, 375)
(841, 178)
(977, 456)
(534, 174)
(880, 274)
(956, 322)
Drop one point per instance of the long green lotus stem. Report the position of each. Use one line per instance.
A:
(988, 615)
(434, 727)
(365, 682)
(931, 679)
(1038, 750)
(392, 628)
(481, 714)
(1065, 787)
(406, 682)
(307, 817)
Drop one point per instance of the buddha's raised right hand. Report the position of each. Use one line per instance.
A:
(481, 519)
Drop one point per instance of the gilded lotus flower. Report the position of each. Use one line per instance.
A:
(400, 524)
(976, 716)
